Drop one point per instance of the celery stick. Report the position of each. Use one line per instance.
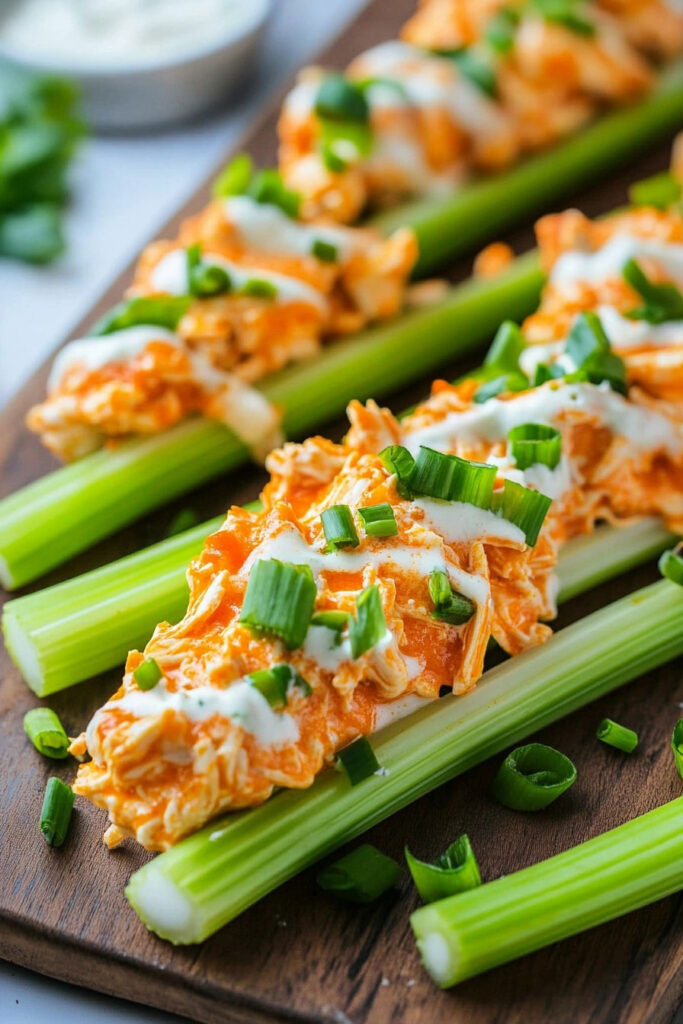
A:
(596, 881)
(449, 227)
(195, 888)
(45, 523)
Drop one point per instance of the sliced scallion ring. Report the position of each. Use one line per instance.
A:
(522, 506)
(151, 310)
(358, 760)
(677, 745)
(399, 462)
(449, 606)
(379, 520)
(279, 599)
(454, 871)
(450, 478)
(274, 683)
(369, 626)
(618, 736)
(147, 674)
(267, 187)
(258, 288)
(532, 776)
(338, 99)
(506, 348)
(589, 349)
(324, 251)
(332, 619)
(55, 813)
(661, 191)
(533, 443)
(46, 733)
(235, 177)
(671, 565)
(506, 382)
(500, 30)
(208, 279)
(360, 876)
(339, 528)
(662, 302)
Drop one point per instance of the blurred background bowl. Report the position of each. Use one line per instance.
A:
(165, 90)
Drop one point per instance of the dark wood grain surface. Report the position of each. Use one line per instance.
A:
(299, 955)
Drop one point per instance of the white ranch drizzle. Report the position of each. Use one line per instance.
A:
(170, 276)
(460, 522)
(95, 352)
(266, 228)
(608, 261)
(240, 702)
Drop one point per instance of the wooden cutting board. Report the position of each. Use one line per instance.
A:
(299, 955)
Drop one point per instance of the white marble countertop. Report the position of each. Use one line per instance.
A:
(123, 189)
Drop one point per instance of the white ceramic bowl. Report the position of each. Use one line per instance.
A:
(164, 91)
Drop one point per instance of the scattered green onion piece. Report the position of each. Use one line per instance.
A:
(279, 599)
(532, 776)
(533, 443)
(257, 288)
(208, 279)
(677, 745)
(449, 606)
(369, 625)
(234, 179)
(543, 373)
(474, 66)
(399, 462)
(454, 871)
(564, 12)
(55, 813)
(500, 385)
(183, 520)
(522, 506)
(506, 348)
(451, 478)
(324, 251)
(360, 876)
(615, 735)
(343, 143)
(662, 301)
(147, 674)
(337, 621)
(339, 529)
(157, 311)
(267, 187)
(46, 733)
(274, 683)
(379, 520)
(358, 760)
(671, 566)
(661, 190)
(500, 31)
(338, 99)
(589, 348)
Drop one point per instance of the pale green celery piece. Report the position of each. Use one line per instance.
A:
(449, 227)
(68, 510)
(608, 876)
(192, 890)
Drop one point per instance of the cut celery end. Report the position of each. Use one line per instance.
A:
(233, 862)
(68, 510)
(608, 876)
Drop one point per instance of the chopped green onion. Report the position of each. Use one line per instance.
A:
(55, 813)
(337, 621)
(543, 373)
(677, 745)
(183, 520)
(358, 760)
(564, 12)
(449, 606)
(339, 529)
(500, 385)
(332, 162)
(344, 142)
(147, 674)
(506, 348)
(534, 443)
(662, 301)
(46, 733)
(474, 66)
(379, 520)
(531, 777)
(274, 683)
(615, 735)
(267, 187)
(451, 478)
(279, 599)
(500, 31)
(338, 99)
(324, 251)
(598, 880)
(157, 311)
(360, 876)
(234, 179)
(522, 506)
(589, 348)
(671, 565)
(399, 462)
(454, 871)
(369, 626)
(258, 288)
(661, 190)
(208, 279)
